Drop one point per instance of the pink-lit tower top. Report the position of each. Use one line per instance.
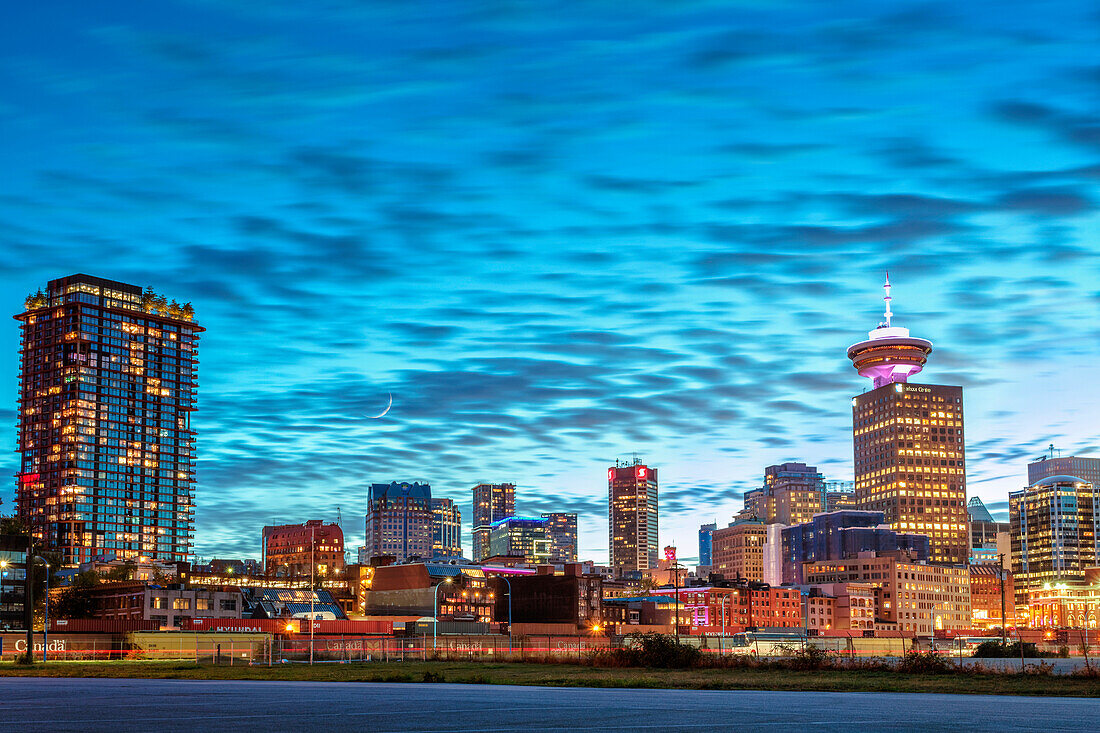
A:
(889, 354)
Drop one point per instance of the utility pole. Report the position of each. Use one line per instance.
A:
(1001, 575)
(312, 587)
(28, 599)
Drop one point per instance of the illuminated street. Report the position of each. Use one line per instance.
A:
(175, 705)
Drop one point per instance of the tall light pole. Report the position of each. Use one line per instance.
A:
(509, 615)
(435, 611)
(1004, 623)
(312, 587)
(46, 610)
(3, 572)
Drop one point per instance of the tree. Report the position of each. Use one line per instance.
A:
(147, 299)
(14, 525)
(188, 311)
(125, 571)
(76, 599)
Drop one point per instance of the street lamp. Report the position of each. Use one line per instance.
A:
(3, 572)
(435, 612)
(509, 615)
(46, 611)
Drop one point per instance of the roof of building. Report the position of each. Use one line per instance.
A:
(977, 510)
(1060, 480)
(399, 489)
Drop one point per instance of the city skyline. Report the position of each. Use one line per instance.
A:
(644, 242)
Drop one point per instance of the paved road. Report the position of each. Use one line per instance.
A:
(38, 704)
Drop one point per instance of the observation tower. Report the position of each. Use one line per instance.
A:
(889, 354)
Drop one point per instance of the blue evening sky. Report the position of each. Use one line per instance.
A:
(561, 232)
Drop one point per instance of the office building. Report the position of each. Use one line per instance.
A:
(632, 517)
(562, 529)
(290, 550)
(706, 544)
(1055, 526)
(841, 535)
(106, 389)
(986, 583)
(399, 520)
(1086, 469)
(989, 539)
(840, 495)
(793, 493)
(909, 449)
(573, 599)
(446, 528)
(738, 550)
(526, 537)
(910, 596)
(492, 502)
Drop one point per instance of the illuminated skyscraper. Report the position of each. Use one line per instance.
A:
(526, 537)
(492, 502)
(399, 520)
(446, 529)
(562, 529)
(792, 494)
(632, 517)
(107, 387)
(1055, 533)
(908, 442)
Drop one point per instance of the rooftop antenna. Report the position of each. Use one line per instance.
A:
(887, 298)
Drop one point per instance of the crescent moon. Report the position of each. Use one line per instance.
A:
(383, 413)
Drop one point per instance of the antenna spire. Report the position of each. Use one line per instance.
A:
(887, 298)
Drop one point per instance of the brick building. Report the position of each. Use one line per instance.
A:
(288, 549)
(737, 551)
(985, 596)
(907, 593)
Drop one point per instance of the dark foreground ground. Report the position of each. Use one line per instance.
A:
(68, 704)
(574, 675)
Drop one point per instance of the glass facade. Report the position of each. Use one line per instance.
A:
(107, 387)
(526, 537)
(1055, 524)
(492, 502)
(446, 529)
(562, 528)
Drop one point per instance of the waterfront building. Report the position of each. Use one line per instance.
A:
(1055, 531)
(399, 520)
(909, 449)
(632, 517)
(107, 385)
(289, 550)
(446, 528)
(492, 502)
(562, 530)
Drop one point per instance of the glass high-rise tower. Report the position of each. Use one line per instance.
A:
(107, 387)
(492, 502)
